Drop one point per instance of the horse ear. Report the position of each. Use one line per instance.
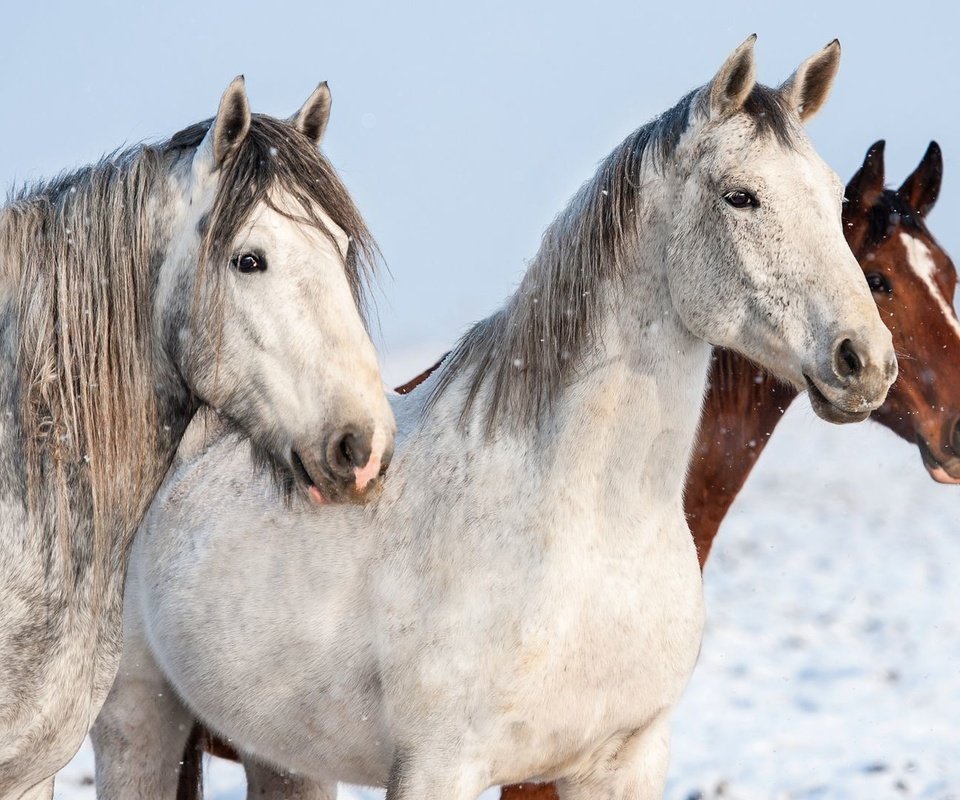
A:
(866, 186)
(734, 81)
(311, 120)
(229, 127)
(807, 89)
(922, 187)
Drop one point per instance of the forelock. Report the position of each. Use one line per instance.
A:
(275, 160)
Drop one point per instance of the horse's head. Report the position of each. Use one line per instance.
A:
(759, 260)
(913, 282)
(261, 291)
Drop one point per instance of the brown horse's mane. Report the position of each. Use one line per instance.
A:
(79, 256)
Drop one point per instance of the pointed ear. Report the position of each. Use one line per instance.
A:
(808, 88)
(734, 81)
(922, 188)
(228, 129)
(311, 120)
(866, 186)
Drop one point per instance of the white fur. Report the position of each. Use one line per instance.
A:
(291, 364)
(524, 606)
(921, 262)
(294, 327)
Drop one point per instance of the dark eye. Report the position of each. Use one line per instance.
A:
(740, 198)
(878, 282)
(249, 262)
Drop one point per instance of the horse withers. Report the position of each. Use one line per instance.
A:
(223, 267)
(524, 599)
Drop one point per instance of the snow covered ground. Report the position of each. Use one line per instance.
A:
(831, 664)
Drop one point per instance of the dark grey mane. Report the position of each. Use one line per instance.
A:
(529, 349)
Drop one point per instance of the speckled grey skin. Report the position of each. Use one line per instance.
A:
(524, 599)
(123, 307)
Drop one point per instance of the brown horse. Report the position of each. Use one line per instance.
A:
(913, 282)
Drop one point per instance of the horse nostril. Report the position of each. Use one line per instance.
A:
(347, 452)
(846, 361)
(955, 438)
(346, 449)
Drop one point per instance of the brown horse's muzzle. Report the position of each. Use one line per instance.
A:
(942, 460)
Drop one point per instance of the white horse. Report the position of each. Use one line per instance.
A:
(224, 267)
(524, 599)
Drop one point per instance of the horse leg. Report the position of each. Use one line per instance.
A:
(432, 778)
(141, 731)
(265, 782)
(636, 770)
(139, 739)
(42, 791)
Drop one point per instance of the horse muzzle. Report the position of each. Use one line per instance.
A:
(854, 380)
(348, 466)
(943, 467)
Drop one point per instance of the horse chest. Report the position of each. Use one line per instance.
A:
(620, 634)
(547, 664)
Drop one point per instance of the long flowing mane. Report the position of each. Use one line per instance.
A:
(81, 255)
(530, 348)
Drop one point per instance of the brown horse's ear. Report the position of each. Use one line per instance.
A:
(807, 89)
(734, 81)
(866, 185)
(922, 187)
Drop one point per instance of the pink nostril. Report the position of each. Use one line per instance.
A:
(376, 463)
(367, 473)
(347, 451)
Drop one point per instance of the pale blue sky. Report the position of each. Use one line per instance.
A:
(462, 129)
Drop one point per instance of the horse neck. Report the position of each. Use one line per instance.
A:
(626, 427)
(742, 407)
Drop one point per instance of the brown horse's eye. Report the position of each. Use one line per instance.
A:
(740, 198)
(878, 282)
(249, 262)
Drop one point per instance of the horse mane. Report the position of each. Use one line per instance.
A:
(81, 254)
(530, 348)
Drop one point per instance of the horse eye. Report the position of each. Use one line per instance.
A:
(740, 198)
(878, 282)
(249, 262)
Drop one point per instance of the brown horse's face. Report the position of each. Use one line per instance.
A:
(913, 282)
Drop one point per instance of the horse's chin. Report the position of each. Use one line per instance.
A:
(304, 480)
(323, 493)
(825, 409)
(948, 473)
